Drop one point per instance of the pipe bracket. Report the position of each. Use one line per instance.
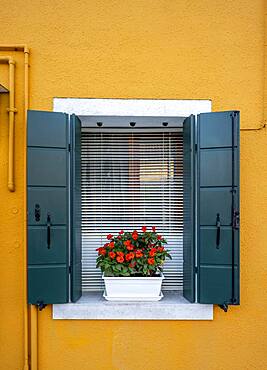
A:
(14, 110)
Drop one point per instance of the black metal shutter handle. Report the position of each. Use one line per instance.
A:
(236, 219)
(37, 212)
(48, 234)
(218, 234)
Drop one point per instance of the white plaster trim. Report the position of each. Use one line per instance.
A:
(131, 107)
(92, 306)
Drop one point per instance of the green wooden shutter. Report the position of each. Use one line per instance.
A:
(218, 208)
(76, 283)
(48, 205)
(189, 208)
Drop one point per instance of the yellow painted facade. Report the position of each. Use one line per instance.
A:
(166, 49)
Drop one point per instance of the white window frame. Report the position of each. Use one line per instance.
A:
(93, 306)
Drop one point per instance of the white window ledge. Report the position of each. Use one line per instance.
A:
(92, 306)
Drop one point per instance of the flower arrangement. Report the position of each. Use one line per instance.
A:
(133, 253)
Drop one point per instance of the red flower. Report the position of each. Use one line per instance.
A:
(112, 255)
(160, 249)
(106, 244)
(127, 243)
(109, 236)
(120, 259)
(138, 253)
(151, 261)
(152, 252)
(132, 264)
(119, 236)
(159, 237)
(111, 245)
(102, 251)
(135, 235)
(154, 229)
(144, 228)
(120, 254)
(100, 248)
(121, 232)
(129, 256)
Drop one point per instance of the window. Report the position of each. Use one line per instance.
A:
(131, 178)
(210, 177)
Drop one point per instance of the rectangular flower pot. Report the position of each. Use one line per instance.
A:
(133, 288)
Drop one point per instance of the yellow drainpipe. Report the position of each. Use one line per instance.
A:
(11, 112)
(33, 311)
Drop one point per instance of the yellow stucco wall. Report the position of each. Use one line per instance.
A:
(175, 49)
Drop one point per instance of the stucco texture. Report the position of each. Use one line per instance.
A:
(173, 49)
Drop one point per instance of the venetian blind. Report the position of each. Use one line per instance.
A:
(131, 179)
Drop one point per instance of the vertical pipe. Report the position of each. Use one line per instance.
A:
(265, 65)
(25, 285)
(26, 81)
(34, 341)
(26, 51)
(11, 111)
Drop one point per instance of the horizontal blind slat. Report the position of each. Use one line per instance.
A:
(128, 180)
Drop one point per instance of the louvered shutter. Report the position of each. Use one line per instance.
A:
(48, 221)
(76, 253)
(218, 207)
(189, 200)
(49, 193)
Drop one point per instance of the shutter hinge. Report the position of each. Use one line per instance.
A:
(224, 307)
(69, 147)
(195, 147)
(236, 219)
(195, 269)
(69, 269)
(40, 305)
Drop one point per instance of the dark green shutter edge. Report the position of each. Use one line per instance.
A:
(47, 207)
(218, 208)
(189, 208)
(76, 283)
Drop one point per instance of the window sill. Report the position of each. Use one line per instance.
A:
(92, 306)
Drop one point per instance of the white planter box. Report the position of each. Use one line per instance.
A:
(133, 288)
